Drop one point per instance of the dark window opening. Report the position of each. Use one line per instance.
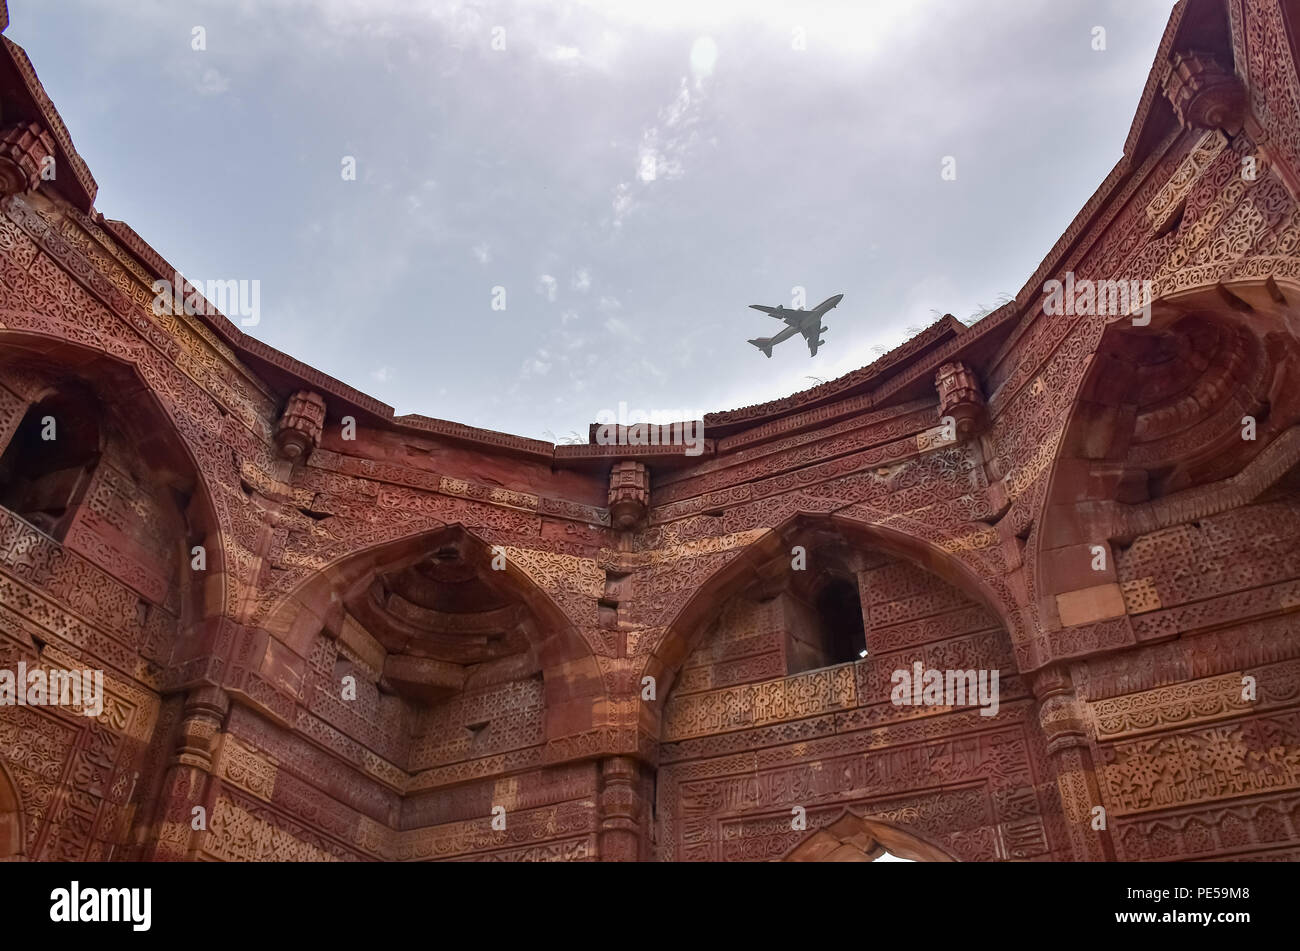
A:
(47, 465)
(839, 613)
(826, 630)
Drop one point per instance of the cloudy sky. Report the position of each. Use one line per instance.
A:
(633, 174)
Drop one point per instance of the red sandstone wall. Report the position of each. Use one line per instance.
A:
(737, 759)
(1121, 686)
(105, 598)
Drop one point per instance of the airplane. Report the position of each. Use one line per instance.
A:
(806, 322)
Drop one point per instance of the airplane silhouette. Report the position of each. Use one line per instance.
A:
(806, 322)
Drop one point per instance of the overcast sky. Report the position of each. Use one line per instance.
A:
(632, 173)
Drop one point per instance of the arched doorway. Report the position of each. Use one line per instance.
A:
(853, 838)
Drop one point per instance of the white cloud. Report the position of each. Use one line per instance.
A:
(765, 176)
(537, 365)
(212, 83)
(623, 203)
(663, 150)
(622, 329)
(704, 56)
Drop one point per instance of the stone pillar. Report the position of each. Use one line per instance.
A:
(187, 782)
(1062, 716)
(623, 810)
(298, 431)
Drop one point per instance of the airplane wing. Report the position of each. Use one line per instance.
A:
(813, 337)
(788, 316)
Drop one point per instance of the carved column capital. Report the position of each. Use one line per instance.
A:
(629, 495)
(1203, 93)
(1061, 714)
(24, 148)
(298, 431)
(205, 710)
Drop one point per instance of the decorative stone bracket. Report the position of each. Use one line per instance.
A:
(629, 495)
(961, 398)
(24, 149)
(299, 429)
(1204, 94)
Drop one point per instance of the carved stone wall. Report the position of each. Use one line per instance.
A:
(738, 759)
(417, 640)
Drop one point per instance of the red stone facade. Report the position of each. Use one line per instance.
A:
(329, 633)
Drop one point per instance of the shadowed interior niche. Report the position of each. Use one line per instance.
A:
(96, 465)
(444, 617)
(48, 463)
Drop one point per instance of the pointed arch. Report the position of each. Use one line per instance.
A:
(1155, 436)
(127, 399)
(685, 631)
(154, 429)
(570, 674)
(854, 838)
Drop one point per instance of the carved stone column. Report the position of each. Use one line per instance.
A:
(622, 810)
(1063, 720)
(629, 495)
(187, 785)
(24, 147)
(298, 431)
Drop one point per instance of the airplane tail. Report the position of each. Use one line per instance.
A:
(764, 344)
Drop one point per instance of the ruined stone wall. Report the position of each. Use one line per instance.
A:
(105, 598)
(646, 701)
(738, 759)
(1196, 760)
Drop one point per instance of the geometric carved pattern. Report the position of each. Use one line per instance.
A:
(1228, 759)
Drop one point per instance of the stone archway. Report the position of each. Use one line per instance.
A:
(753, 565)
(11, 820)
(190, 415)
(750, 741)
(92, 382)
(1192, 413)
(854, 838)
(439, 606)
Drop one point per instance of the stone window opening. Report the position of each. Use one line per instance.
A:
(839, 615)
(831, 630)
(43, 479)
